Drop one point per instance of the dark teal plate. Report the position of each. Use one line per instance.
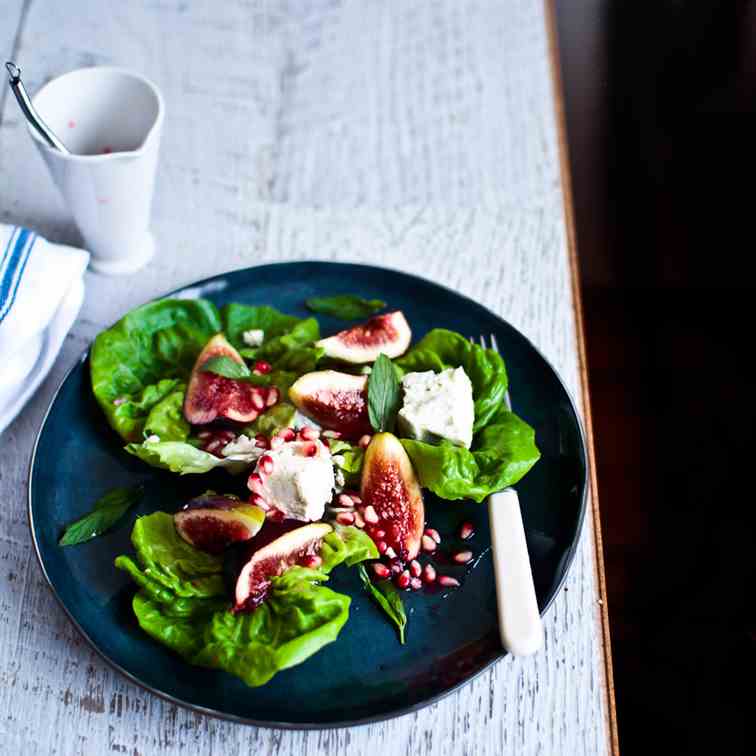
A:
(365, 675)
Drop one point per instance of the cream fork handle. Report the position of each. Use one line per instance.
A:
(520, 625)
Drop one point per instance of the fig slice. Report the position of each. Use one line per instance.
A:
(273, 559)
(336, 401)
(213, 522)
(387, 334)
(210, 396)
(390, 486)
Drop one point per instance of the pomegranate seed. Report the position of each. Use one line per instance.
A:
(276, 442)
(415, 568)
(396, 566)
(416, 584)
(287, 434)
(358, 521)
(345, 518)
(467, 530)
(379, 534)
(253, 415)
(390, 553)
(262, 367)
(448, 582)
(261, 441)
(462, 557)
(257, 401)
(313, 561)
(309, 449)
(276, 515)
(260, 501)
(371, 515)
(331, 434)
(381, 546)
(204, 434)
(404, 579)
(345, 501)
(266, 464)
(255, 484)
(355, 498)
(381, 570)
(364, 441)
(308, 434)
(429, 544)
(273, 397)
(433, 533)
(429, 573)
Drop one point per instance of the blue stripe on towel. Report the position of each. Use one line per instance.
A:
(12, 267)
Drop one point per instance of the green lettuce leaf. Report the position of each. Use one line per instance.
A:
(274, 350)
(238, 318)
(183, 458)
(166, 419)
(171, 561)
(500, 455)
(440, 349)
(132, 362)
(298, 617)
(349, 459)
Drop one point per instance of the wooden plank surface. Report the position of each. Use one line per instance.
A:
(418, 135)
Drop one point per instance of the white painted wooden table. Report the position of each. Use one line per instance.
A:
(420, 135)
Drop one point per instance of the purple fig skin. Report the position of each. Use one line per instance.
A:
(213, 501)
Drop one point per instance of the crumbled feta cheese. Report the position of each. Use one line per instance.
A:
(254, 337)
(242, 447)
(299, 485)
(438, 406)
(153, 439)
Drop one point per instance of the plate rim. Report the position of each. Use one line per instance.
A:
(567, 561)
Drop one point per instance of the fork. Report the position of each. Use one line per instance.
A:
(520, 626)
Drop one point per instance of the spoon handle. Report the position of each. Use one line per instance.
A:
(14, 78)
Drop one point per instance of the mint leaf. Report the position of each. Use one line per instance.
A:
(383, 394)
(106, 513)
(345, 306)
(226, 367)
(387, 597)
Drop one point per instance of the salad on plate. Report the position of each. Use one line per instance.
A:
(334, 451)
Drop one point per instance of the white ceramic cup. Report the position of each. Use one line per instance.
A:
(110, 119)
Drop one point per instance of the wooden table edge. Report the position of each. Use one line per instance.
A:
(566, 183)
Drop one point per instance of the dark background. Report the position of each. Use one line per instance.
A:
(660, 100)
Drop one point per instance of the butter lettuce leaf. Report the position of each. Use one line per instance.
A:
(501, 454)
(166, 419)
(183, 458)
(238, 318)
(132, 363)
(440, 349)
(182, 604)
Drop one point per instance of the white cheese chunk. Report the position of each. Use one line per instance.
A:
(242, 448)
(300, 486)
(254, 337)
(438, 406)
